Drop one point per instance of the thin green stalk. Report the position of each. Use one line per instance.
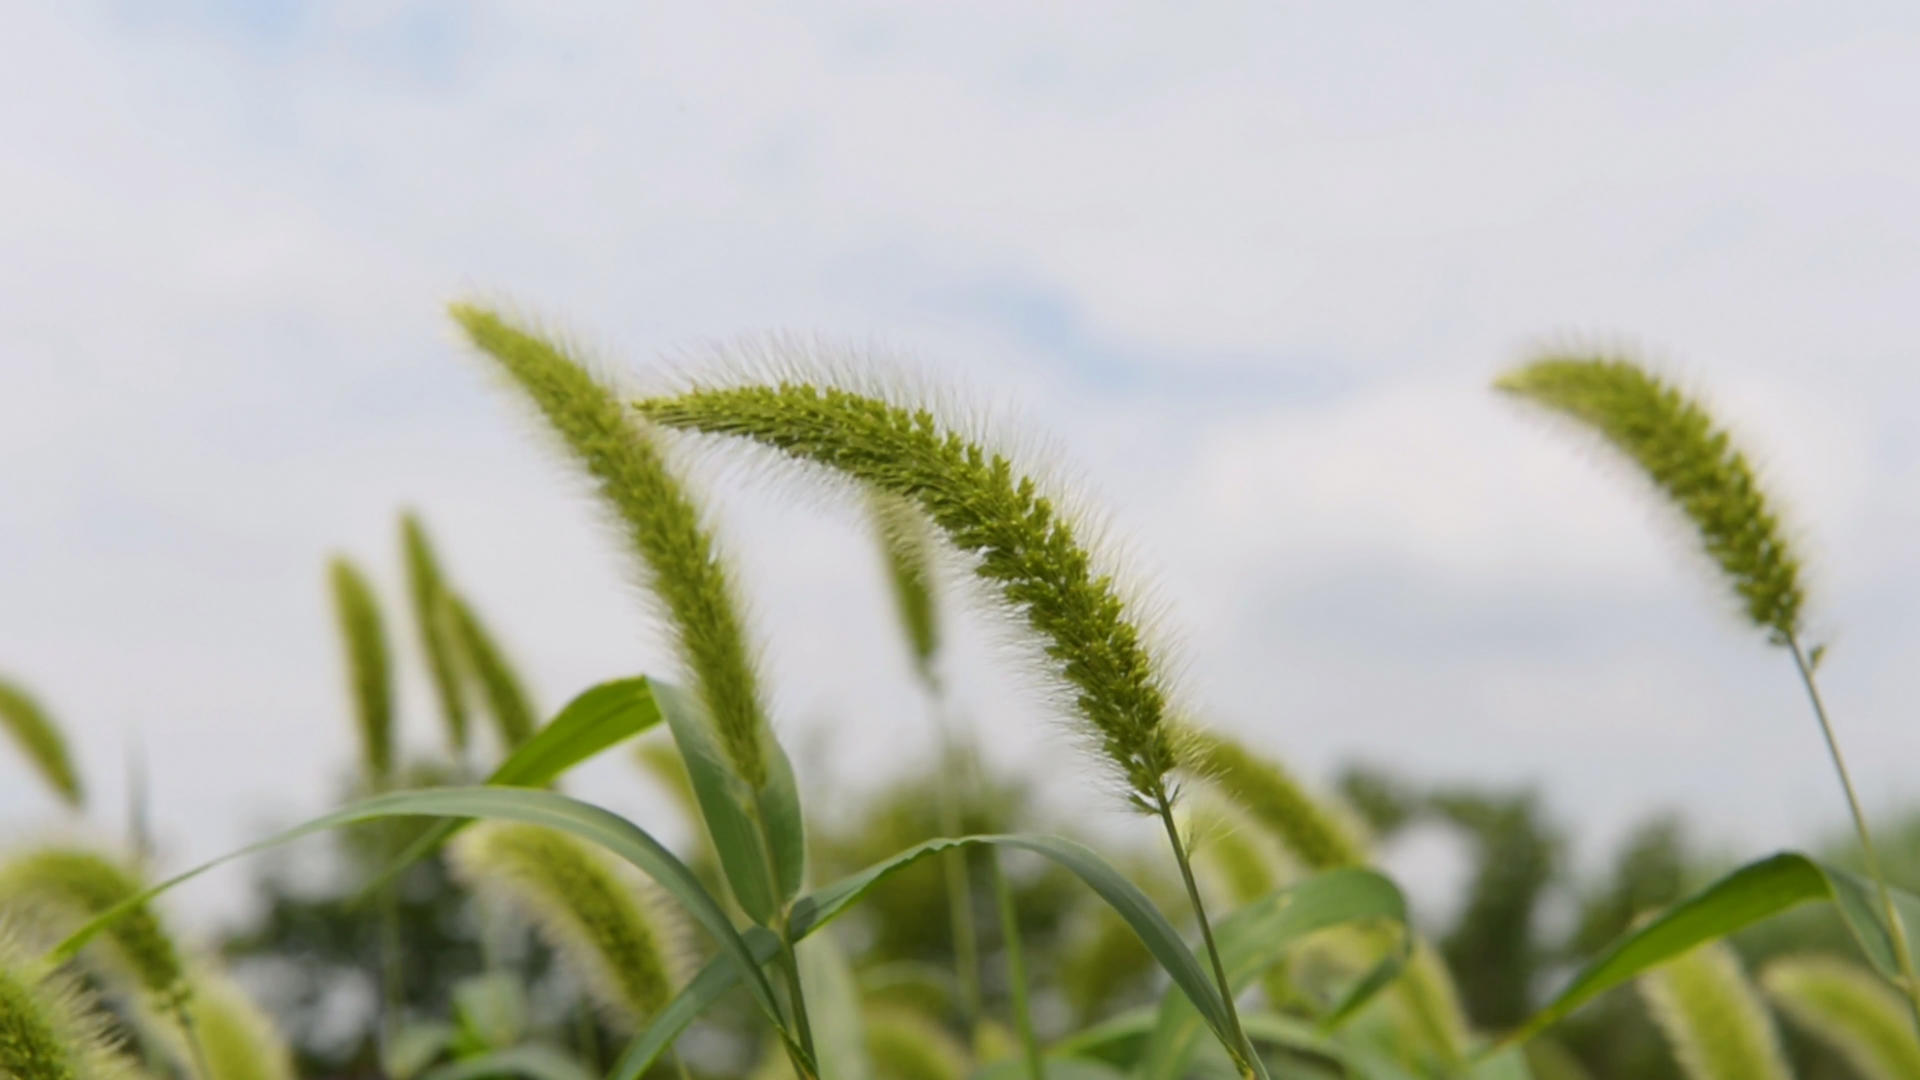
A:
(1016, 972)
(391, 992)
(790, 966)
(1895, 929)
(966, 936)
(1241, 1047)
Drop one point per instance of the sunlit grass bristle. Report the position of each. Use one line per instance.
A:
(659, 519)
(617, 939)
(433, 622)
(49, 1028)
(1849, 1009)
(1712, 1017)
(369, 674)
(1691, 460)
(1311, 830)
(40, 740)
(1029, 551)
(513, 713)
(60, 889)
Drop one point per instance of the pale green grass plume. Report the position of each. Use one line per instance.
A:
(1025, 547)
(62, 888)
(1692, 462)
(433, 621)
(48, 1029)
(615, 939)
(906, 545)
(40, 740)
(235, 1039)
(1310, 831)
(658, 517)
(369, 676)
(907, 1045)
(1850, 1010)
(513, 715)
(1712, 1018)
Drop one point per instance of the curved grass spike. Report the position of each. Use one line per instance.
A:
(906, 545)
(605, 929)
(370, 678)
(1712, 1017)
(513, 714)
(48, 1029)
(659, 518)
(1848, 1009)
(986, 509)
(1693, 462)
(65, 888)
(236, 1040)
(433, 622)
(1265, 790)
(40, 740)
(1023, 546)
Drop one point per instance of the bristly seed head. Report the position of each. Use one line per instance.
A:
(659, 518)
(63, 888)
(369, 675)
(40, 739)
(906, 543)
(433, 621)
(48, 1029)
(619, 942)
(1309, 831)
(987, 509)
(1691, 461)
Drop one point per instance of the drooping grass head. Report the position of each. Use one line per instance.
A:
(48, 1029)
(63, 888)
(40, 740)
(1690, 460)
(617, 940)
(369, 675)
(906, 544)
(681, 565)
(1030, 552)
(433, 622)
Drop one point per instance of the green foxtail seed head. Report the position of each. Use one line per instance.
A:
(682, 567)
(611, 933)
(63, 888)
(369, 677)
(433, 621)
(513, 715)
(1309, 831)
(236, 1039)
(40, 740)
(48, 1029)
(906, 543)
(1024, 548)
(1849, 1009)
(1689, 460)
(905, 1044)
(1712, 1017)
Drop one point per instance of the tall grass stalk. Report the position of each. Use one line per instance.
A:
(1023, 545)
(1011, 944)
(1694, 463)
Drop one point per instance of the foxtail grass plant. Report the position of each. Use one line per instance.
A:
(1712, 1017)
(40, 741)
(1693, 462)
(1023, 546)
(369, 676)
(433, 622)
(513, 713)
(680, 565)
(60, 888)
(234, 1039)
(49, 1030)
(1848, 1009)
(616, 938)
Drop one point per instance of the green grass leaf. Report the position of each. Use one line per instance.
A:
(1753, 892)
(1257, 935)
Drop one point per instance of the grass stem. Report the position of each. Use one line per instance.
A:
(1016, 972)
(1896, 930)
(1163, 805)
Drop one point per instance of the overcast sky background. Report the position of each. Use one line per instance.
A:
(1249, 267)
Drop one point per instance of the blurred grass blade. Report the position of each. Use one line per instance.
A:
(600, 717)
(757, 832)
(1256, 936)
(369, 671)
(1745, 896)
(1712, 1016)
(433, 621)
(40, 740)
(533, 807)
(532, 1061)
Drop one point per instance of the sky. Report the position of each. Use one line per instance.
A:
(1245, 272)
